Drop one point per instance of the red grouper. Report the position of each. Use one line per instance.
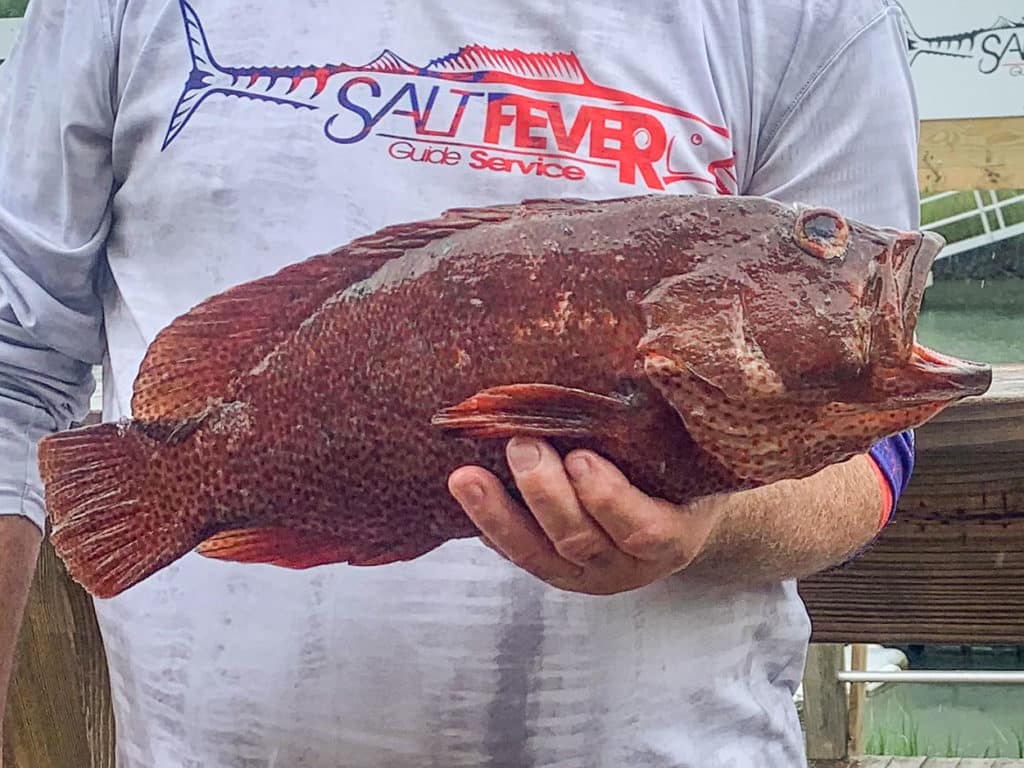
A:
(703, 344)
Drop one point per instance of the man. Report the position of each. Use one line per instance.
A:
(153, 153)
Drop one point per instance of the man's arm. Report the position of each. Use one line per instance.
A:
(847, 138)
(56, 118)
(817, 523)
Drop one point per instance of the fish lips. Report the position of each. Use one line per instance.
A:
(932, 377)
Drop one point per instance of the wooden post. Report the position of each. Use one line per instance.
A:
(59, 711)
(858, 700)
(826, 717)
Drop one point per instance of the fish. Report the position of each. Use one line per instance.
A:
(990, 45)
(704, 344)
(474, 99)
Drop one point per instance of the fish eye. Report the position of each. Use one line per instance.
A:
(822, 233)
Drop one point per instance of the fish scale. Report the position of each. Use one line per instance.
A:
(642, 328)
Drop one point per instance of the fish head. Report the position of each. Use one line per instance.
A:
(793, 337)
(855, 293)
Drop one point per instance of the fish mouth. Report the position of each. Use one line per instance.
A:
(913, 273)
(930, 376)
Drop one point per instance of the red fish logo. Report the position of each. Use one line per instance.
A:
(504, 111)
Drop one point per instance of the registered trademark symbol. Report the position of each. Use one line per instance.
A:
(697, 139)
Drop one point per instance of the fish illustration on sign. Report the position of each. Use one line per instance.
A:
(996, 46)
(702, 343)
(472, 105)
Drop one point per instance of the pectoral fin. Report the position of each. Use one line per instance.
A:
(533, 410)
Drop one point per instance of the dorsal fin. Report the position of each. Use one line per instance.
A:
(558, 66)
(193, 361)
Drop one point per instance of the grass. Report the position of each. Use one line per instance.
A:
(906, 742)
(12, 8)
(902, 743)
(971, 227)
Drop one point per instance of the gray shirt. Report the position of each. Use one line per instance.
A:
(155, 152)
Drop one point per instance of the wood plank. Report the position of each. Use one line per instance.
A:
(985, 153)
(826, 718)
(858, 700)
(950, 567)
(59, 711)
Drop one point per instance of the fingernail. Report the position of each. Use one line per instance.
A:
(470, 496)
(523, 455)
(577, 466)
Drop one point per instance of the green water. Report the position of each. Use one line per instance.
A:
(977, 320)
(947, 720)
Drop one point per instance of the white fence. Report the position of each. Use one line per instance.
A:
(985, 203)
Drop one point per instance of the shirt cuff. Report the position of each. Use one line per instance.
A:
(893, 460)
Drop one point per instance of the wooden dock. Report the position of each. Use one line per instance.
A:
(950, 567)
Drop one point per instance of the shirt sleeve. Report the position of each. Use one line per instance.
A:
(848, 139)
(56, 180)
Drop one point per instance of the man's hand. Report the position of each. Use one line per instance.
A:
(587, 528)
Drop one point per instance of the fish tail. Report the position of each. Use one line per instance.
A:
(916, 45)
(204, 79)
(109, 525)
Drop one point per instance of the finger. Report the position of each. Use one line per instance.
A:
(551, 497)
(647, 528)
(507, 526)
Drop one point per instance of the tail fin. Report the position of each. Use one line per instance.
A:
(915, 43)
(108, 525)
(201, 81)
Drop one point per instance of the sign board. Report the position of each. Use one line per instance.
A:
(8, 32)
(967, 58)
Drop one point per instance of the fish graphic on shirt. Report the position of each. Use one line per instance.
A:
(541, 113)
(999, 45)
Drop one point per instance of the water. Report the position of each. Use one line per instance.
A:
(977, 320)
